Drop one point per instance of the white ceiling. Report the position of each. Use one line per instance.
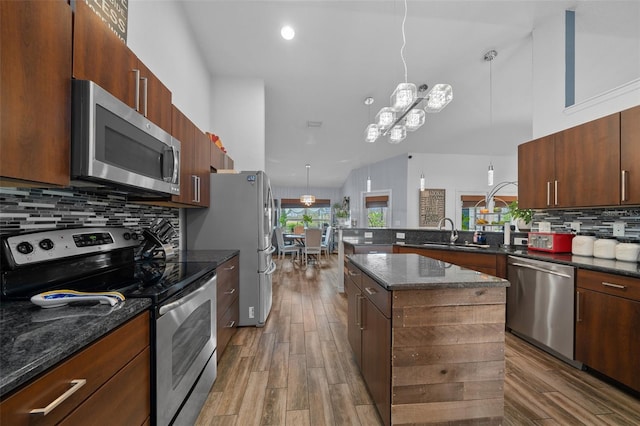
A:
(345, 51)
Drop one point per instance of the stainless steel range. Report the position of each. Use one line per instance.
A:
(183, 295)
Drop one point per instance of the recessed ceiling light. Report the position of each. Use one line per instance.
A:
(287, 32)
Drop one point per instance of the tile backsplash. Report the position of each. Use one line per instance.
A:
(599, 221)
(30, 209)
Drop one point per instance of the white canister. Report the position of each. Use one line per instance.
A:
(582, 244)
(605, 247)
(628, 250)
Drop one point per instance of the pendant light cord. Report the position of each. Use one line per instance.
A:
(404, 42)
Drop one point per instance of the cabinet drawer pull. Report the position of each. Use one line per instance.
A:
(76, 384)
(230, 268)
(231, 324)
(233, 290)
(353, 274)
(618, 286)
(370, 290)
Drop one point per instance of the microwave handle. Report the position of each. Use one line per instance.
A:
(172, 176)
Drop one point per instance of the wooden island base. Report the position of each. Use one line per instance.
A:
(448, 355)
(428, 337)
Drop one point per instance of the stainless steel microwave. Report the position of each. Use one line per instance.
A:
(114, 145)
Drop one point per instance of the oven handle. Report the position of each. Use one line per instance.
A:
(174, 305)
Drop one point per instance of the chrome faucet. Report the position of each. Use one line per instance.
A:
(454, 234)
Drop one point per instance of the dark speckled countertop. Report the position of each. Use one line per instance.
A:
(33, 339)
(413, 272)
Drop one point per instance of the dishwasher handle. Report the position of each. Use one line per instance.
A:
(539, 269)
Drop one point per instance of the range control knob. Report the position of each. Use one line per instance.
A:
(126, 236)
(24, 247)
(46, 244)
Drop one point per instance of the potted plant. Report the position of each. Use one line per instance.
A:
(522, 217)
(283, 219)
(341, 214)
(306, 219)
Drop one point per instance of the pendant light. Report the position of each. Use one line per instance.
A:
(307, 199)
(404, 114)
(489, 57)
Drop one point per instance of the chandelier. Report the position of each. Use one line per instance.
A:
(405, 113)
(307, 199)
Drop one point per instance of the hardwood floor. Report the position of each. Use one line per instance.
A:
(299, 370)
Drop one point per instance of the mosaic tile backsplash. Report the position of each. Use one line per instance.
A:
(599, 221)
(30, 209)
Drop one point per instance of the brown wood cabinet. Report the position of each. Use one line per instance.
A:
(607, 318)
(99, 55)
(194, 162)
(369, 335)
(488, 263)
(577, 167)
(111, 377)
(35, 105)
(630, 155)
(228, 307)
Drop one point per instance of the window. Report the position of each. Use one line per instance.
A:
(377, 211)
(292, 213)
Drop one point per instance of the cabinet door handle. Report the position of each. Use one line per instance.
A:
(231, 324)
(76, 384)
(578, 319)
(618, 286)
(370, 290)
(137, 94)
(358, 306)
(353, 274)
(555, 192)
(624, 185)
(548, 193)
(233, 290)
(230, 268)
(145, 80)
(196, 188)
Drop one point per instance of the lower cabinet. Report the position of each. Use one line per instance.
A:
(106, 383)
(488, 263)
(228, 308)
(369, 334)
(607, 318)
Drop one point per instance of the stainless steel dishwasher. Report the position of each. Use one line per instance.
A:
(540, 305)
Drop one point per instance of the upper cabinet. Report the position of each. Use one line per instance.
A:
(35, 105)
(194, 162)
(630, 155)
(577, 167)
(99, 55)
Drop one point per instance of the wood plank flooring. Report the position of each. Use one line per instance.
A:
(298, 369)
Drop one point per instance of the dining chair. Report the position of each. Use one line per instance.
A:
(298, 230)
(283, 248)
(324, 248)
(312, 244)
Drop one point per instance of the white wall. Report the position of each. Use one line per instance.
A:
(549, 112)
(238, 118)
(458, 175)
(161, 37)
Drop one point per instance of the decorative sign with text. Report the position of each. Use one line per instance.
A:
(431, 207)
(114, 13)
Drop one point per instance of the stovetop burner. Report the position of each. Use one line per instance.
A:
(108, 266)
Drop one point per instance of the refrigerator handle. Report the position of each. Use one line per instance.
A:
(271, 269)
(271, 250)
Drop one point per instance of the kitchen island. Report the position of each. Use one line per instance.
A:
(428, 337)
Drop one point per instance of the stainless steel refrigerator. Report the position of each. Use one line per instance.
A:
(240, 216)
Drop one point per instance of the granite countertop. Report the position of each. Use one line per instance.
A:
(33, 339)
(414, 272)
(631, 269)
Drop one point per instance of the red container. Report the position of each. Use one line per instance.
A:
(550, 242)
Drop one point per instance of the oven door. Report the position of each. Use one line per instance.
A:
(185, 341)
